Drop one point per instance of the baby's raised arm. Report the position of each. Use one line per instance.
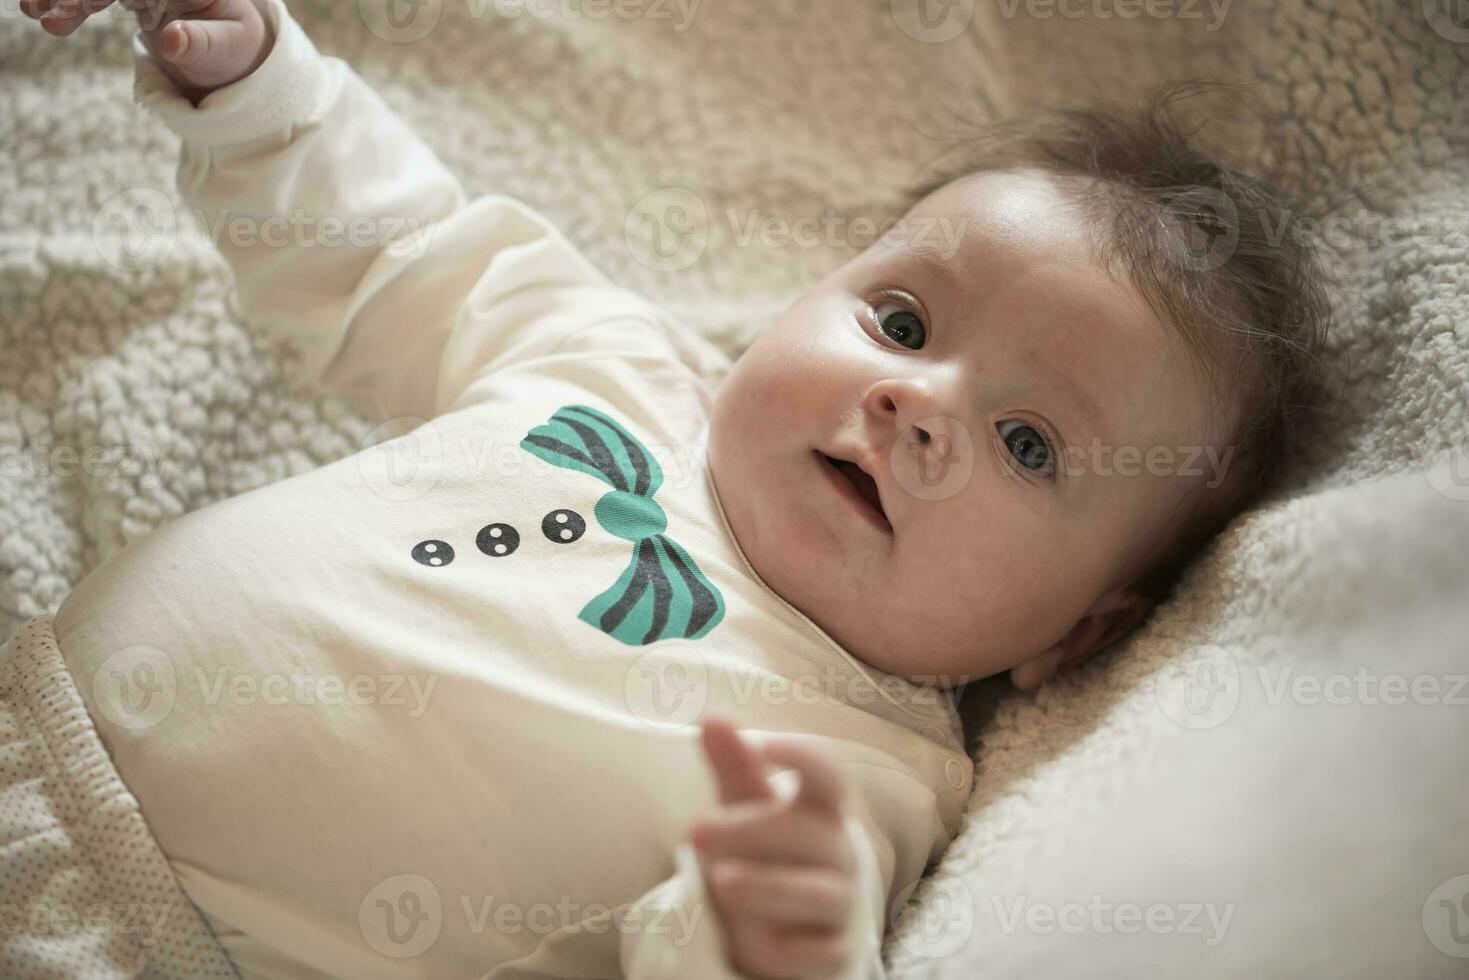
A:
(343, 229)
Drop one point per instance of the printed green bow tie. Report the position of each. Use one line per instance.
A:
(662, 594)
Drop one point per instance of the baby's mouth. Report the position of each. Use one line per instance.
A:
(864, 485)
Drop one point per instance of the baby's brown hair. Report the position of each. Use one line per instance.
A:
(1252, 305)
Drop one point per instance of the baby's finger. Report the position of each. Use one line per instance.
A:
(794, 895)
(35, 8)
(206, 53)
(823, 786)
(191, 43)
(154, 14)
(739, 771)
(63, 17)
(779, 836)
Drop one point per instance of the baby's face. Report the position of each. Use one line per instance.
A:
(986, 385)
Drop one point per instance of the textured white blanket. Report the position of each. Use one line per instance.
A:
(1263, 782)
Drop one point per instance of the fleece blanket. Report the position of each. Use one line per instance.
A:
(1261, 782)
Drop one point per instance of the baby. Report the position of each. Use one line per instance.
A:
(464, 703)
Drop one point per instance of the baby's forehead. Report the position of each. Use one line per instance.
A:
(1028, 214)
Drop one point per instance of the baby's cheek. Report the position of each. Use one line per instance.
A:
(757, 388)
(975, 593)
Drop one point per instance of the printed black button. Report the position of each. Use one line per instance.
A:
(498, 540)
(563, 526)
(433, 553)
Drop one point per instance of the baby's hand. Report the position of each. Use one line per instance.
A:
(201, 45)
(781, 874)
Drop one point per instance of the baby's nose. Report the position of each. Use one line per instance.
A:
(904, 401)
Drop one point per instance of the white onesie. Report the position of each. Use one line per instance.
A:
(432, 709)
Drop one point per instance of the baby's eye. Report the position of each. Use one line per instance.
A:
(1028, 446)
(900, 323)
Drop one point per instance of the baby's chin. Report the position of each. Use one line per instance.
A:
(884, 639)
(865, 632)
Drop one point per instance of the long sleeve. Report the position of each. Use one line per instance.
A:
(348, 235)
(674, 933)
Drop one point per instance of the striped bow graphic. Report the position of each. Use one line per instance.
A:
(662, 594)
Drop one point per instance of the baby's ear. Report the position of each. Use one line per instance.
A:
(1109, 619)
